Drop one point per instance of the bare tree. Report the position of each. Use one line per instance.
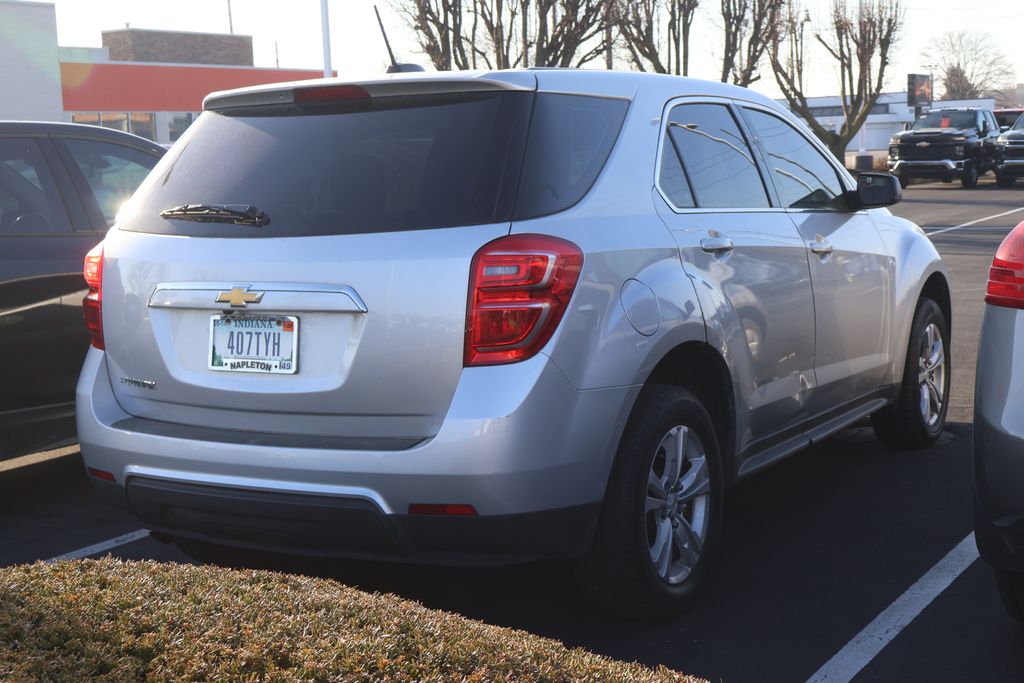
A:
(656, 33)
(749, 26)
(503, 34)
(969, 64)
(859, 39)
(439, 30)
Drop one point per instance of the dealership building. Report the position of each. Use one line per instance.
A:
(150, 83)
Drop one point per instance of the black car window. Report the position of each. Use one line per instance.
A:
(29, 200)
(802, 175)
(946, 118)
(715, 157)
(112, 171)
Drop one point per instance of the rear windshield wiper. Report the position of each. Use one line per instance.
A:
(239, 214)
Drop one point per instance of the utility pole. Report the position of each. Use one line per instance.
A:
(231, 24)
(326, 27)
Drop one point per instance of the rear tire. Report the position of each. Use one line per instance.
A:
(969, 177)
(1011, 592)
(1004, 181)
(661, 520)
(918, 416)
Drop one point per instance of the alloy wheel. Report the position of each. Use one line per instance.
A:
(677, 509)
(931, 374)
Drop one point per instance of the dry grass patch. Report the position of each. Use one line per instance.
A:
(115, 621)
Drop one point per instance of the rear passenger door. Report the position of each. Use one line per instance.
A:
(44, 235)
(850, 268)
(748, 262)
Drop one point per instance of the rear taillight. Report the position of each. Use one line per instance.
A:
(1006, 276)
(92, 305)
(519, 288)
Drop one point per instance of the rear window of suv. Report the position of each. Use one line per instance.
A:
(390, 164)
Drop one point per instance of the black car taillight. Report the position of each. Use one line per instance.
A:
(92, 305)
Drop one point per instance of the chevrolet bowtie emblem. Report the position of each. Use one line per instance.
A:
(924, 144)
(239, 297)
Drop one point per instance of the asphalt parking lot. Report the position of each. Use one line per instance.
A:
(836, 561)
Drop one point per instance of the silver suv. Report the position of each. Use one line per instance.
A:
(484, 318)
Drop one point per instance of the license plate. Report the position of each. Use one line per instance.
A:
(265, 344)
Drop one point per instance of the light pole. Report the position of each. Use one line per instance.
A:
(326, 28)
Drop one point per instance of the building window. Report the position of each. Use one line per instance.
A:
(115, 120)
(178, 123)
(88, 118)
(142, 124)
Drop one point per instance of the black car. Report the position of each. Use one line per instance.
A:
(1010, 155)
(947, 145)
(60, 187)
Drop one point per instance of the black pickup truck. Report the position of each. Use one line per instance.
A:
(947, 145)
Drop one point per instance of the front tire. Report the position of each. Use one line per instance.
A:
(1004, 181)
(1011, 592)
(918, 416)
(662, 515)
(969, 177)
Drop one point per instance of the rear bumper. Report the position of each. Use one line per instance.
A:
(999, 439)
(327, 526)
(528, 451)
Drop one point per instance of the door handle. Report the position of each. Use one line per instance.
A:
(820, 245)
(716, 244)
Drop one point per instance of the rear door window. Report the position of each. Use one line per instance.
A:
(714, 157)
(112, 171)
(29, 200)
(803, 177)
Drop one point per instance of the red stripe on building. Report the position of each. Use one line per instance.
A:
(122, 86)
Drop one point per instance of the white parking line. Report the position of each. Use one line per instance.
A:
(980, 220)
(123, 539)
(866, 645)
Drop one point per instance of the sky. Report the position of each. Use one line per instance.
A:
(288, 32)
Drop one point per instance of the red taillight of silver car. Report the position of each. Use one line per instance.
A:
(92, 305)
(1006, 276)
(519, 289)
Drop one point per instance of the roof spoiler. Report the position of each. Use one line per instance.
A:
(322, 89)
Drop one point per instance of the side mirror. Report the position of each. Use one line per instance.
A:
(907, 125)
(878, 189)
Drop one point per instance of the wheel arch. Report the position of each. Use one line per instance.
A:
(936, 288)
(699, 368)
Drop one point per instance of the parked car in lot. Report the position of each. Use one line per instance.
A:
(947, 145)
(999, 425)
(60, 187)
(486, 318)
(1010, 159)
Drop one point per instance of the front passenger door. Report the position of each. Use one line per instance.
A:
(851, 269)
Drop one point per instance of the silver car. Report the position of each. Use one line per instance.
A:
(999, 425)
(490, 317)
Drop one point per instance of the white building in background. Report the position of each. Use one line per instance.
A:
(889, 115)
(30, 84)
